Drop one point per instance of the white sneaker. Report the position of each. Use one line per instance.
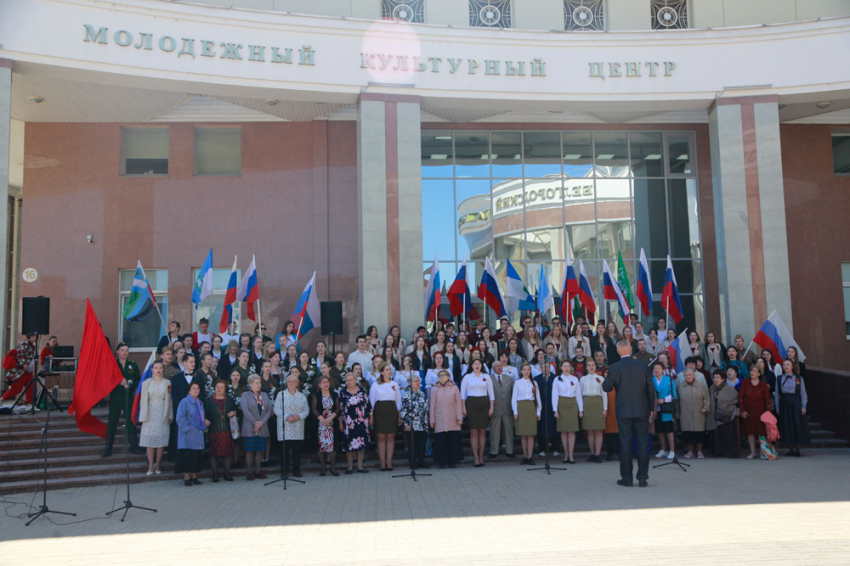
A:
(542, 454)
(661, 454)
(556, 453)
(671, 455)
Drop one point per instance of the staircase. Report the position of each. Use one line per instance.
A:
(74, 457)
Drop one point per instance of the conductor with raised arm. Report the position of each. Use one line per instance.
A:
(635, 402)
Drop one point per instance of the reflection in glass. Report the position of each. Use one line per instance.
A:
(611, 154)
(684, 217)
(613, 210)
(651, 217)
(578, 154)
(646, 155)
(542, 153)
(679, 148)
(506, 148)
(437, 154)
(553, 273)
(581, 238)
(544, 218)
(508, 221)
(438, 219)
(472, 154)
(688, 276)
(144, 334)
(474, 223)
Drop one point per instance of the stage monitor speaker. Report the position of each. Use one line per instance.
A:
(35, 316)
(331, 318)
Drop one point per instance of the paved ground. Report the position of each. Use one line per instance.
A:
(790, 511)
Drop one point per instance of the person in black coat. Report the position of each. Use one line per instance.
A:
(547, 416)
(180, 383)
(635, 403)
(452, 362)
(172, 336)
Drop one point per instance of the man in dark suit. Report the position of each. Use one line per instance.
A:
(180, 383)
(635, 401)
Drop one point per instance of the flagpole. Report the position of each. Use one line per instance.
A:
(744, 355)
(259, 313)
(667, 313)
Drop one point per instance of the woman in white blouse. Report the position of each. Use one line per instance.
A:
(432, 377)
(569, 407)
(463, 347)
(439, 343)
(576, 340)
(385, 396)
(404, 376)
(476, 391)
(595, 405)
(525, 402)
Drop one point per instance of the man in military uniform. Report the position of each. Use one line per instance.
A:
(121, 399)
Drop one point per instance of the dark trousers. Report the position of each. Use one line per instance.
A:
(639, 428)
(190, 460)
(416, 448)
(447, 447)
(292, 455)
(117, 406)
(172, 448)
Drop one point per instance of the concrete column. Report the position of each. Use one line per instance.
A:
(749, 206)
(5, 137)
(390, 212)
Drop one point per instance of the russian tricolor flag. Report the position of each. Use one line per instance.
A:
(248, 290)
(489, 290)
(229, 300)
(674, 352)
(138, 398)
(774, 336)
(585, 295)
(308, 312)
(432, 292)
(612, 291)
(460, 300)
(569, 289)
(644, 286)
(670, 294)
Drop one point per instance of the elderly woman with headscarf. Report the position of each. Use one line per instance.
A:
(693, 409)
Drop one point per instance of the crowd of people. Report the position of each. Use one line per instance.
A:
(239, 396)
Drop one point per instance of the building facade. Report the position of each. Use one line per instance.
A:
(362, 140)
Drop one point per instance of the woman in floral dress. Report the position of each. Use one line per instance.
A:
(354, 410)
(324, 405)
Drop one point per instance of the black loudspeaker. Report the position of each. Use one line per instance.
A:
(331, 318)
(35, 316)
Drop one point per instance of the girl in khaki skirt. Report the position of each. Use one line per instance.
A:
(595, 402)
(525, 402)
(568, 406)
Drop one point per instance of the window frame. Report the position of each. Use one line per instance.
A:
(122, 321)
(838, 132)
(195, 131)
(124, 131)
(218, 293)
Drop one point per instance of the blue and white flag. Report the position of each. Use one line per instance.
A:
(545, 300)
(204, 282)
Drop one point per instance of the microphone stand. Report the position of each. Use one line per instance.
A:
(43, 509)
(675, 461)
(546, 467)
(127, 503)
(412, 446)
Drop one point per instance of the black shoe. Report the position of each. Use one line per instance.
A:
(598, 459)
(790, 452)
(442, 466)
(492, 456)
(137, 451)
(106, 453)
(625, 483)
(797, 453)
(187, 483)
(424, 466)
(643, 483)
(334, 473)
(265, 464)
(511, 456)
(196, 481)
(383, 469)
(228, 478)
(531, 461)
(215, 480)
(453, 465)
(363, 471)
(349, 472)
(591, 458)
(610, 456)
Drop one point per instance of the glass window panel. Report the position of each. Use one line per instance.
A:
(693, 311)
(145, 151)
(613, 209)
(158, 279)
(841, 153)
(474, 223)
(657, 272)
(847, 308)
(542, 154)
(650, 217)
(845, 273)
(218, 151)
(544, 219)
(437, 154)
(506, 150)
(679, 151)
(212, 307)
(553, 271)
(438, 219)
(578, 154)
(472, 152)
(611, 154)
(646, 155)
(144, 334)
(688, 276)
(508, 221)
(684, 217)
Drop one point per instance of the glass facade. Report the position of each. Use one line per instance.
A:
(531, 196)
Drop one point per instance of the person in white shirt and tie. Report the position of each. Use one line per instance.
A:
(476, 390)
(503, 386)
(525, 403)
(569, 407)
